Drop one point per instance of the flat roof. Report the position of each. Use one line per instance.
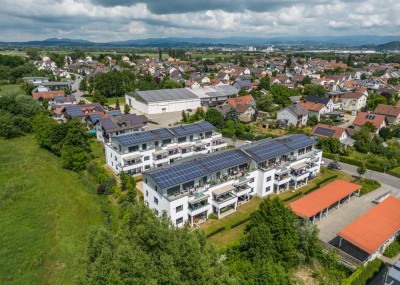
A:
(162, 95)
(323, 198)
(375, 227)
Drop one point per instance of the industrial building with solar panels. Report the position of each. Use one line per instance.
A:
(191, 189)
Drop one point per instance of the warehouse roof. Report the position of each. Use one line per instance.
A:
(323, 198)
(163, 95)
(375, 227)
(215, 91)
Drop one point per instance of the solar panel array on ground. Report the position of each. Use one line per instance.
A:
(268, 149)
(141, 137)
(185, 130)
(179, 173)
(165, 95)
(324, 132)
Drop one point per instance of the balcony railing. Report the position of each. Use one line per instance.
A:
(223, 198)
(199, 205)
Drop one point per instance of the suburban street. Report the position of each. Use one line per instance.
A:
(75, 86)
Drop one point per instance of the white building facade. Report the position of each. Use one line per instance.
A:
(137, 152)
(218, 183)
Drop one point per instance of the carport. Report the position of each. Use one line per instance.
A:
(318, 203)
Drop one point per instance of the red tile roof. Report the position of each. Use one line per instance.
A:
(311, 106)
(47, 94)
(245, 100)
(336, 135)
(364, 117)
(323, 198)
(375, 227)
(387, 110)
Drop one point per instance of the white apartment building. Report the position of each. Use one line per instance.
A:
(136, 152)
(218, 183)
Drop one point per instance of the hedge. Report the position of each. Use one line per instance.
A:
(355, 162)
(240, 223)
(365, 273)
(214, 232)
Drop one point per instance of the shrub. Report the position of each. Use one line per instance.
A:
(212, 216)
(365, 273)
(214, 232)
(393, 249)
(368, 185)
(240, 223)
(101, 189)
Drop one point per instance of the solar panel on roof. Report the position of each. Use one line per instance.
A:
(324, 132)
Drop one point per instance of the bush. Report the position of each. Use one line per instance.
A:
(368, 185)
(214, 232)
(393, 249)
(365, 273)
(212, 216)
(239, 223)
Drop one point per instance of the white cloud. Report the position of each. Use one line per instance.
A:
(23, 20)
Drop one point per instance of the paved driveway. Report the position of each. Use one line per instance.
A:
(338, 219)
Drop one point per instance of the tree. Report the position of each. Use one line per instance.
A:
(313, 89)
(127, 109)
(361, 170)
(159, 54)
(117, 104)
(330, 145)
(306, 80)
(363, 76)
(280, 94)
(312, 121)
(171, 84)
(385, 133)
(184, 117)
(264, 83)
(214, 117)
(97, 97)
(45, 104)
(27, 87)
(83, 85)
(265, 102)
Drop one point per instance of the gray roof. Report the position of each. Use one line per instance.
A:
(163, 95)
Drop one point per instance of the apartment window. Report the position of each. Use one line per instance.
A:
(267, 189)
(145, 180)
(179, 221)
(179, 208)
(301, 151)
(147, 167)
(110, 154)
(269, 178)
(144, 146)
(155, 201)
(147, 193)
(156, 188)
(115, 158)
(156, 144)
(167, 141)
(156, 211)
(133, 148)
(181, 140)
(146, 158)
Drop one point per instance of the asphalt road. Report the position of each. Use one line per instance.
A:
(378, 176)
(75, 86)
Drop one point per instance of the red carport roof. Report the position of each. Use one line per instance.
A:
(323, 198)
(375, 227)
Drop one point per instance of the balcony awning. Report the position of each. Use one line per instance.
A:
(242, 182)
(298, 166)
(173, 146)
(223, 190)
(132, 156)
(200, 143)
(199, 199)
(161, 151)
(185, 145)
(217, 139)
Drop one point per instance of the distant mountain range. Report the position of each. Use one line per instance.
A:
(366, 41)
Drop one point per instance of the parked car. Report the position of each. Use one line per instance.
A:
(334, 165)
(247, 142)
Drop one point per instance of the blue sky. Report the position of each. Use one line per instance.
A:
(112, 20)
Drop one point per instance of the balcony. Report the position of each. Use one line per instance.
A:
(132, 159)
(223, 196)
(241, 190)
(198, 205)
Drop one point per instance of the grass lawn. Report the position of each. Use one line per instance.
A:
(110, 101)
(13, 52)
(10, 89)
(393, 249)
(46, 213)
(396, 170)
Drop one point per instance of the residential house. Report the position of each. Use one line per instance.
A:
(314, 109)
(82, 112)
(392, 113)
(121, 124)
(295, 115)
(245, 106)
(377, 120)
(339, 133)
(323, 100)
(352, 101)
(189, 191)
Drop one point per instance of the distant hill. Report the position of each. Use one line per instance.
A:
(371, 41)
